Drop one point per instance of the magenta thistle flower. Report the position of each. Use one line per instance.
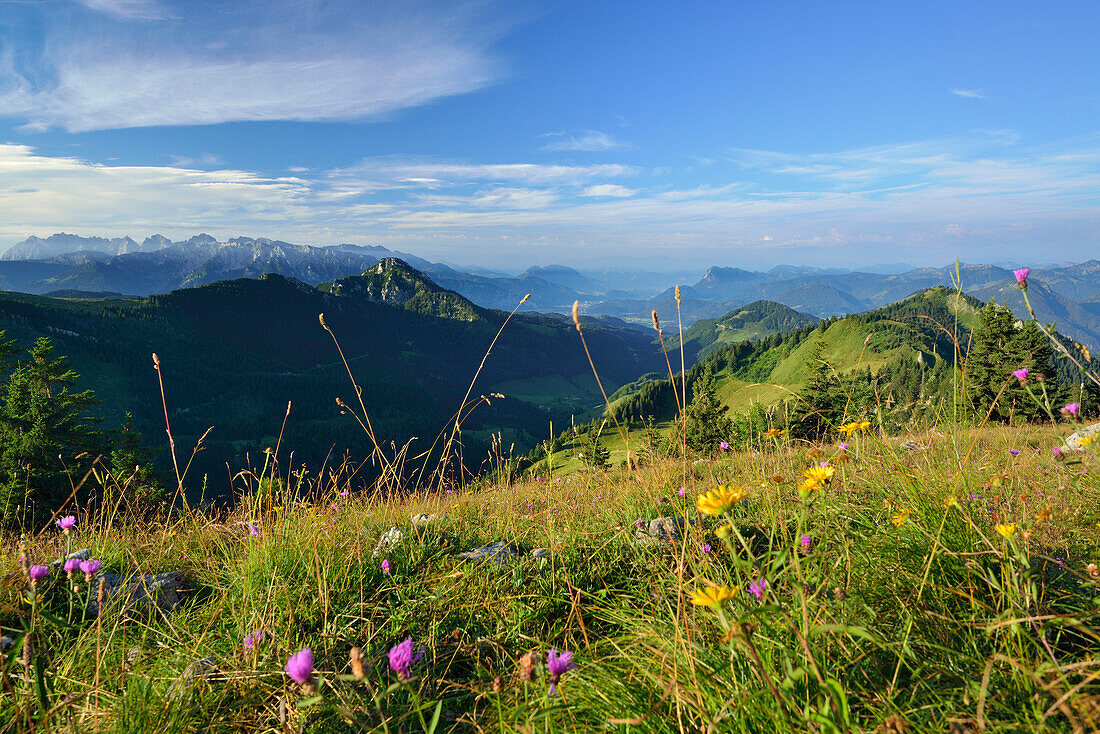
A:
(72, 565)
(805, 541)
(758, 587)
(345, 493)
(402, 659)
(639, 523)
(1021, 275)
(38, 573)
(89, 567)
(706, 548)
(724, 446)
(843, 446)
(252, 639)
(253, 530)
(683, 491)
(1021, 374)
(558, 664)
(1014, 452)
(300, 666)
(386, 566)
(66, 523)
(1071, 410)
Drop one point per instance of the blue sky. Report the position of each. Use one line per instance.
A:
(653, 134)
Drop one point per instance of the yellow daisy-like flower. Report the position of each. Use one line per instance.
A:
(1006, 531)
(719, 500)
(819, 474)
(711, 596)
(900, 518)
(864, 425)
(1085, 441)
(1044, 515)
(847, 428)
(809, 485)
(774, 432)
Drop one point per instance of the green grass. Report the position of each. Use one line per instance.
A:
(937, 623)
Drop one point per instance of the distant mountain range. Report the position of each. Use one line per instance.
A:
(73, 265)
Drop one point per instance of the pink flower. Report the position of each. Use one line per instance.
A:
(300, 666)
(758, 587)
(683, 491)
(38, 573)
(639, 523)
(345, 493)
(558, 664)
(253, 530)
(66, 523)
(402, 660)
(252, 639)
(1014, 452)
(72, 565)
(843, 446)
(89, 568)
(1021, 374)
(706, 548)
(1021, 275)
(1071, 410)
(386, 566)
(805, 541)
(724, 446)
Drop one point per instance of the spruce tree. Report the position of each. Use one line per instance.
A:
(988, 363)
(707, 422)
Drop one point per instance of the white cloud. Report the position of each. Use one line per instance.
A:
(130, 9)
(969, 93)
(207, 63)
(589, 140)
(392, 173)
(608, 190)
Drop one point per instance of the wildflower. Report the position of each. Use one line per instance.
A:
(558, 664)
(72, 565)
(683, 491)
(809, 485)
(777, 478)
(864, 425)
(253, 530)
(1021, 375)
(758, 587)
(89, 567)
(1021, 277)
(639, 523)
(950, 501)
(724, 446)
(774, 432)
(401, 658)
(345, 493)
(1006, 531)
(38, 573)
(900, 518)
(252, 639)
(1014, 452)
(66, 523)
(1043, 515)
(819, 474)
(386, 566)
(1093, 571)
(711, 596)
(805, 542)
(300, 666)
(719, 500)
(706, 548)
(848, 428)
(1058, 455)
(1070, 410)
(1085, 441)
(843, 446)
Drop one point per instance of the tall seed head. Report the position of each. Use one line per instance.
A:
(577, 314)
(525, 299)
(677, 295)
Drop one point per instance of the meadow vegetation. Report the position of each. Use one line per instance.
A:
(941, 578)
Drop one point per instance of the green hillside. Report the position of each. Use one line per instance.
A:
(765, 372)
(751, 321)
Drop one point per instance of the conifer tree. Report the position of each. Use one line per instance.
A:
(707, 422)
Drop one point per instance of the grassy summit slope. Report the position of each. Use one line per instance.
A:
(946, 589)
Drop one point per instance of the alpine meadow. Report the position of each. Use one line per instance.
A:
(469, 366)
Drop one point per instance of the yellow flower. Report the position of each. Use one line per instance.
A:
(774, 432)
(1006, 530)
(1085, 441)
(719, 500)
(847, 428)
(724, 532)
(819, 474)
(864, 425)
(1044, 515)
(809, 485)
(900, 518)
(951, 501)
(711, 596)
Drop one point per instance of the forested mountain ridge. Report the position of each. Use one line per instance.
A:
(233, 353)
